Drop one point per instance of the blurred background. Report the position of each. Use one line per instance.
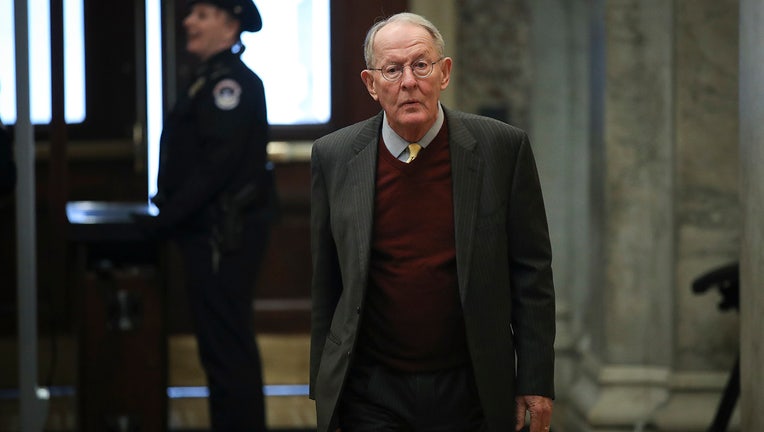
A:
(644, 117)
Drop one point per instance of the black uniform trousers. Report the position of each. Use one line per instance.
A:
(221, 304)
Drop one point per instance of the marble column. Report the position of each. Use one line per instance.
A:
(494, 59)
(559, 131)
(707, 209)
(628, 347)
(752, 185)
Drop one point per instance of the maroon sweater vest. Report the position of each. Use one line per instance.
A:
(413, 318)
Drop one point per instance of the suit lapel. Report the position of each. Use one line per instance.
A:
(466, 175)
(466, 172)
(362, 178)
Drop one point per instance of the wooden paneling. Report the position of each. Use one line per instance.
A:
(351, 20)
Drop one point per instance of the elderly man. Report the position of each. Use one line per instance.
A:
(433, 302)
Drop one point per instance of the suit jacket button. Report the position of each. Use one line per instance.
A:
(348, 353)
(358, 310)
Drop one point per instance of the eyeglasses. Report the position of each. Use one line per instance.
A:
(420, 68)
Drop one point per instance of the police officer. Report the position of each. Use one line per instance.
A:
(214, 195)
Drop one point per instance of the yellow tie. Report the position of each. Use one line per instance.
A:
(413, 151)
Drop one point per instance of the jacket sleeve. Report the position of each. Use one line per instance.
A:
(530, 255)
(326, 284)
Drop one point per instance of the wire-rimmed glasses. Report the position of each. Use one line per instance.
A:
(420, 68)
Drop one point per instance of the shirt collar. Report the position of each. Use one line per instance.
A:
(397, 145)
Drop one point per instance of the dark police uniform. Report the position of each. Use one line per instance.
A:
(215, 196)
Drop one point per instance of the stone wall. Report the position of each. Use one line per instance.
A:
(494, 59)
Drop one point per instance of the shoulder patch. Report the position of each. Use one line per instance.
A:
(227, 93)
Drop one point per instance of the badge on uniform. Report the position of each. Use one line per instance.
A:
(196, 86)
(227, 93)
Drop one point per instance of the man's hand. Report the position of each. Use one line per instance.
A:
(540, 409)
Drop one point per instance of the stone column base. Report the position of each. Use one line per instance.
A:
(620, 398)
(693, 402)
(611, 398)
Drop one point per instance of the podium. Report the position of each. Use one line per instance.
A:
(120, 297)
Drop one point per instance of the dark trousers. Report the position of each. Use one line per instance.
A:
(221, 304)
(377, 398)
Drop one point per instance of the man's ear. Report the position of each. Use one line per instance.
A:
(446, 75)
(368, 80)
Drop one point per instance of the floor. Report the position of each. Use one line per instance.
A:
(285, 366)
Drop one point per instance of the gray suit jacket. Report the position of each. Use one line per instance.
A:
(503, 259)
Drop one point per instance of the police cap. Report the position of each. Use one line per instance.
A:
(243, 10)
